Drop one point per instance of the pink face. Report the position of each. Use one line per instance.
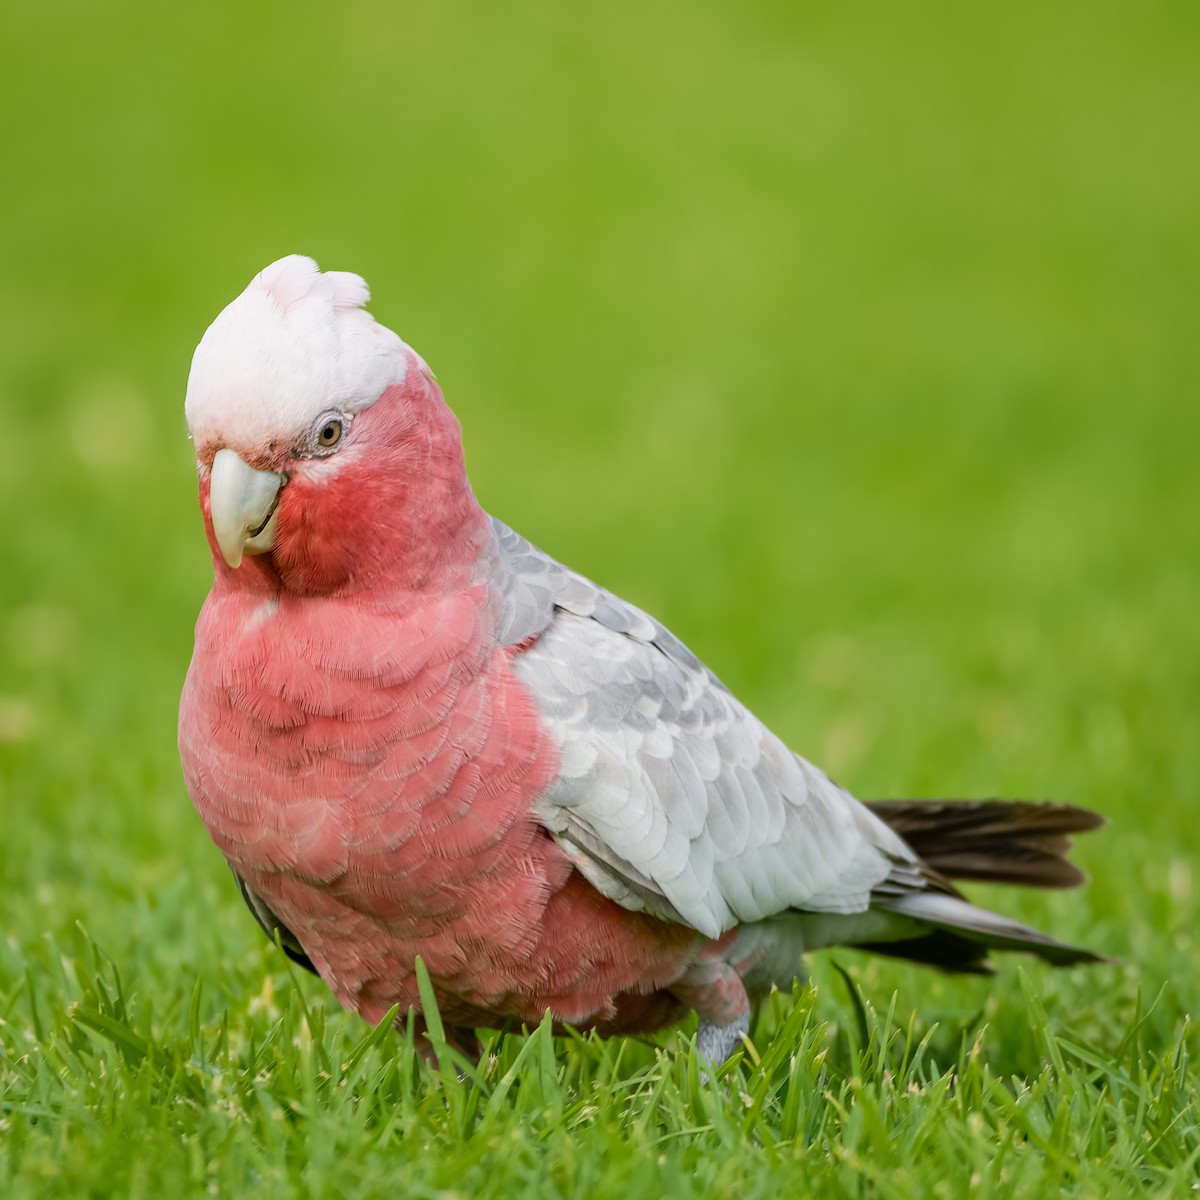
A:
(367, 500)
(324, 449)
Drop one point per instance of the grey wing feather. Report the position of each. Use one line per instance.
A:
(672, 797)
(272, 926)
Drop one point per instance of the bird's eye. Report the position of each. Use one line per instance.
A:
(325, 435)
(329, 434)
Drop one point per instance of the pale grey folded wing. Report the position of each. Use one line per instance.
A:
(673, 798)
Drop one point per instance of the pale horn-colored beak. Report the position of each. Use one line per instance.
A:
(242, 502)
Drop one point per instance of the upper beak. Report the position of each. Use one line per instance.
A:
(242, 502)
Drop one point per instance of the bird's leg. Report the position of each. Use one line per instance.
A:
(459, 1038)
(716, 1043)
(715, 990)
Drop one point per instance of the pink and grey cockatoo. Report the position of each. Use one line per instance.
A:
(413, 733)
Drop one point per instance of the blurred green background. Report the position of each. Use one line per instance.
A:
(858, 343)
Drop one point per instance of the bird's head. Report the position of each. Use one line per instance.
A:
(327, 458)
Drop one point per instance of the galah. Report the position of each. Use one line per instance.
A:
(412, 733)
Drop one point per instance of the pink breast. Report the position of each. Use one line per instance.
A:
(373, 776)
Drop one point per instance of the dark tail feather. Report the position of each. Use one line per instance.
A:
(1020, 842)
(963, 934)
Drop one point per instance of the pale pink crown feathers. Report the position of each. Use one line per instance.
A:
(295, 344)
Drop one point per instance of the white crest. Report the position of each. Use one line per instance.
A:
(295, 345)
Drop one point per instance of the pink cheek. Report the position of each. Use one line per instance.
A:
(313, 548)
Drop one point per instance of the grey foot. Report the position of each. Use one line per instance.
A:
(717, 1042)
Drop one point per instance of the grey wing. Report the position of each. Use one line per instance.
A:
(672, 797)
(272, 926)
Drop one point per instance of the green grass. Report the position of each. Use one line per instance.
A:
(856, 342)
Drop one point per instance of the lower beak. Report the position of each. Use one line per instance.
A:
(242, 502)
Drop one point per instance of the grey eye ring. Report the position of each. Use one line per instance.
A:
(329, 434)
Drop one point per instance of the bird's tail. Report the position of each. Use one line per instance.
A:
(1019, 842)
(957, 935)
(991, 841)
